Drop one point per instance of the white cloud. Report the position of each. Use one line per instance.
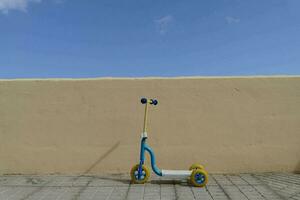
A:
(163, 23)
(6, 5)
(232, 20)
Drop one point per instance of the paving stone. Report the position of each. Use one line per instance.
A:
(266, 192)
(221, 179)
(167, 192)
(250, 179)
(201, 193)
(264, 186)
(24, 180)
(234, 193)
(12, 193)
(62, 193)
(217, 192)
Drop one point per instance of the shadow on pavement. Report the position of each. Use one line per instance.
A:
(162, 182)
(297, 169)
(99, 160)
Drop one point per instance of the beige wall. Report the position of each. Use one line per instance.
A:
(76, 126)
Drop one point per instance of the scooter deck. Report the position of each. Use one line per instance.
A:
(176, 173)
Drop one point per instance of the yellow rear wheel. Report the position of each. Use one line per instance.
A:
(199, 177)
(144, 176)
(196, 166)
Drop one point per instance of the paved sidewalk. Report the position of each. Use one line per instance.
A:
(271, 186)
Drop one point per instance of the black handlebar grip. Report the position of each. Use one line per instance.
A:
(154, 102)
(143, 100)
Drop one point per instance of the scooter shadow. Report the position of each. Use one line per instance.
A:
(155, 181)
(169, 182)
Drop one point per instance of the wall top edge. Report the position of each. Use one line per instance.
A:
(153, 78)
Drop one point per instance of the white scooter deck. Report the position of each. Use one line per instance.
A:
(176, 173)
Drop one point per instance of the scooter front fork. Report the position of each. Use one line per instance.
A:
(140, 170)
(142, 158)
(145, 147)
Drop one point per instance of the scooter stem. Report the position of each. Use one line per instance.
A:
(145, 118)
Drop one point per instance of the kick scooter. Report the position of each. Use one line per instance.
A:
(140, 173)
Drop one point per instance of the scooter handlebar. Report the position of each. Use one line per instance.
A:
(150, 101)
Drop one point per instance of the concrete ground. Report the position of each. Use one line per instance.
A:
(221, 186)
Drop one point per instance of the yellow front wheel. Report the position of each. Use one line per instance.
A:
(144, 176)
(196, 166)
(199, 177)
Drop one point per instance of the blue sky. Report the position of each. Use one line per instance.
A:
(133, 38)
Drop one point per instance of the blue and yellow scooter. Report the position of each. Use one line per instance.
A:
(140, 172)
